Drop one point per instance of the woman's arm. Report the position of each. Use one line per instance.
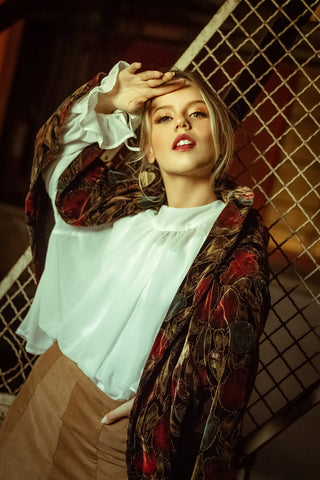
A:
(106, 116)
(125, 92)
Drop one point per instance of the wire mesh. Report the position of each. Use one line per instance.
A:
(264, 60)
(16, 293)
(277, 155)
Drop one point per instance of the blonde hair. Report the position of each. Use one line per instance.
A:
(222, 133)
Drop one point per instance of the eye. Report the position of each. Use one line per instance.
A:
(199, 114)
(163, 119)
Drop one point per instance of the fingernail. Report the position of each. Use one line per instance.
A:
(105, 419)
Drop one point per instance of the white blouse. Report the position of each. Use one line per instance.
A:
(105, 290)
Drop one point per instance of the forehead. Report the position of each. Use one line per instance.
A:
(189, 93)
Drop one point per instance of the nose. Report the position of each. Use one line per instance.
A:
(182, 122)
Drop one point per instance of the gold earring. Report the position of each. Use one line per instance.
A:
(146, 177)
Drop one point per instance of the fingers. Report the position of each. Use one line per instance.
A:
(120, 412)
(134, 67)
(169, 87)
(166, 77)
(159, 79)
(152, 77)
(155, 91)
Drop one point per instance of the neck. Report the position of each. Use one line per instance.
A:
(186, 192)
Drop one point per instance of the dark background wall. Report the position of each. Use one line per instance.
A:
(62, 44)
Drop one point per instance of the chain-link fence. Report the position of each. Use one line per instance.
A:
(16, 293)
(263, 58)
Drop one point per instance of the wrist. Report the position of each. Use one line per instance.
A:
(105, 103)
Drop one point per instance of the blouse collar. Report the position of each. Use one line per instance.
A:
(178, 219)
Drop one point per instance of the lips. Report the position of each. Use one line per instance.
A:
(183, 142)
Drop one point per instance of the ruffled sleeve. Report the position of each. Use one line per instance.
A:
(86, 126)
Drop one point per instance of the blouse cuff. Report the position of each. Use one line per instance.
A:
(108, 130)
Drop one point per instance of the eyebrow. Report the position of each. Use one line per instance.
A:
(193, 102)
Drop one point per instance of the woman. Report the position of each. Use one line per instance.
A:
(153, 296)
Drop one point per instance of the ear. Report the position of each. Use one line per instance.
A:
(150, 155)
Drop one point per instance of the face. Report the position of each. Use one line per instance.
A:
(181, 137)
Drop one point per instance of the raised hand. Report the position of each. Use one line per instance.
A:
(132, 89)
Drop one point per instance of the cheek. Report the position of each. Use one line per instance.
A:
(208, 140)
(159, 141)
(207, 134)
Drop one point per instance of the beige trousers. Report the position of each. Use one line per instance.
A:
(53, 429)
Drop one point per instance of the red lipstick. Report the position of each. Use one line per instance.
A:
(183, 142)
